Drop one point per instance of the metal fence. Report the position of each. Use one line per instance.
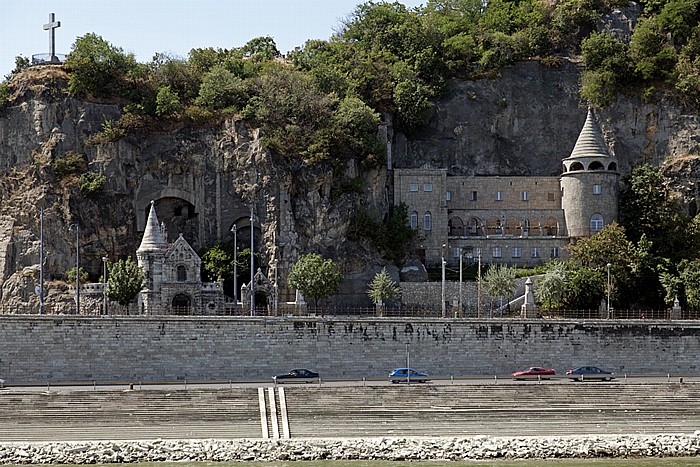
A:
(96, 309)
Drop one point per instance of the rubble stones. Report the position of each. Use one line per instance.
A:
(405, 449)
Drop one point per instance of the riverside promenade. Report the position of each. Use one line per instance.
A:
(319, 411)
(310, 422)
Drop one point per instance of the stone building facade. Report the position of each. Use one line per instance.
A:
(517, 220)
(173, 283)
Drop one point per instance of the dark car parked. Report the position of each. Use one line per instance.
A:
(407, 375)
(299, 375)
(583, 373)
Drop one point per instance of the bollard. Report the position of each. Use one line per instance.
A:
(94, 385)
(363, 381)
(495, 379)
(230, 384)
(625, 377)
(668, 378)
(185, 384)
(48, 387)
(539, 379)
(452, 379)
(139, 384)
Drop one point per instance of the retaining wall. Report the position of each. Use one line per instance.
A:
(42, 348)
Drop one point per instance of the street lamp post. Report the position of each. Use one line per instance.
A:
(478, 286)
(609, 265)
(235, 271)
(104, 285)
(252, 263)
(460, 279)
(41, 262)
(77, 265)
(442, 264)
(274, 265)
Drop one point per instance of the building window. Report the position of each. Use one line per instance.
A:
(414, 220)
(496, 252)
(555, 252)
(523, 195)
(473, 196)
(448, 196)
(427, 221)
(499, 227)
(550, 196)
(596, 189)
(413, 187)
(456, 253)
(181, 273)
(535, 252)
(427, 187)
(499, 196)
(596, 223)
(516, 252)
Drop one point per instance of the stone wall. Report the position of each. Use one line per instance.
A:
(51, 349)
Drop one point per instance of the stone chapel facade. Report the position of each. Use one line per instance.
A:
(515, 220)
(173, 284)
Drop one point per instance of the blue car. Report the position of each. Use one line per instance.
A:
(407, 375)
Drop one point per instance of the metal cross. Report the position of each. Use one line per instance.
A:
(51, 26)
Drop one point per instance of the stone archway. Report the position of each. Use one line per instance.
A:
(181, 304)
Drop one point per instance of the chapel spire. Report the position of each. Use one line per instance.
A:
(590, 142)
(152, 235)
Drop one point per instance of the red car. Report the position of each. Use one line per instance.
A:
(533, 373)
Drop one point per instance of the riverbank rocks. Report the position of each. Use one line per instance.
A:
(405, 449)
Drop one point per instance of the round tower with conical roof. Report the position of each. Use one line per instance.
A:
(150, 256)
(589, 183)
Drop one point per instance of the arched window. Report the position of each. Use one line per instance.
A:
(576, 166)
(456, 227)
(596, 165)
(181, 273)
(612, 167)
(414, 220)
(596, 223)
(473, 227)
(427, 221)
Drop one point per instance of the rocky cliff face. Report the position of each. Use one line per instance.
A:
(206, 179)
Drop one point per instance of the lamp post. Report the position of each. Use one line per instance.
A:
(104, 285)
(609, 265)
(442, 264)
(77, 265)
(41, 262)
(274, 265)
(460, 279)
(235, 271)
(252, 263)
(478, 286)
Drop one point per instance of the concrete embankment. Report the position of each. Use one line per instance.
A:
(393, 449)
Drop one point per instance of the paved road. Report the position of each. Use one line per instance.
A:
(340, 410)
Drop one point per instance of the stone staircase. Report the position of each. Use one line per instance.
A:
(315, 411)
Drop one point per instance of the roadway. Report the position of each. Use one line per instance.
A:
(350, 408)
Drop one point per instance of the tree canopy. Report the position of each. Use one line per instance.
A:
(124, 281)
(315, 276)
(383, 288)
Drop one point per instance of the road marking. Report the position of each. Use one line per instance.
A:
(283, 409)
(263, 414)
(273, 413)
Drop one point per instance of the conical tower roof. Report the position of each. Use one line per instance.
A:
(590, 142)
(152, 236)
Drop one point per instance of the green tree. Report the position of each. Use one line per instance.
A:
(98, 68)
(551, 286)
(71, 276)
(167, 101)
(91, 182)
(690, 277)
(221, 88)
(499, 281)
(383, 288)
(584, 287)
(315, 276)
(125, 281)
(217, 264)
(261, 48)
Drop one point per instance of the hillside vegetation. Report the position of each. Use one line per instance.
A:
(324, 100)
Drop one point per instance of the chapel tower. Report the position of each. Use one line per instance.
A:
(589, 183)
(150, 256)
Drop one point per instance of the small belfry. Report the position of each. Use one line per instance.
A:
(173, 284)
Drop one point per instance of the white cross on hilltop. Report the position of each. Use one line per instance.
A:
(51, 26)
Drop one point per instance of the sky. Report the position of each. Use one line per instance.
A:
(145, 27)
